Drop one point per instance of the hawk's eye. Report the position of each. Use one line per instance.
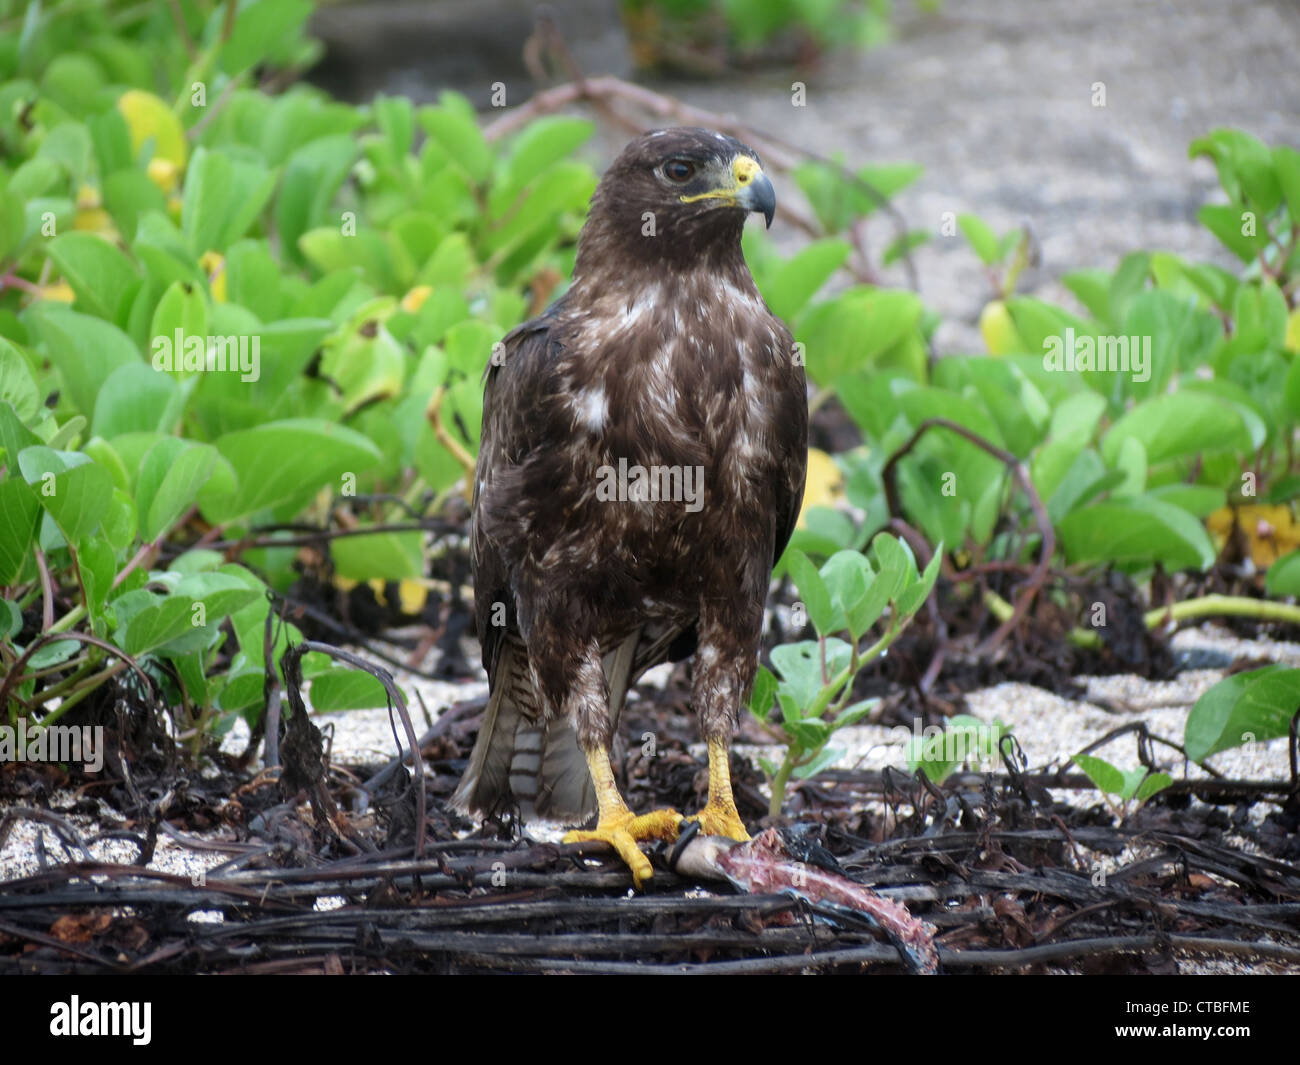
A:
(679, 170)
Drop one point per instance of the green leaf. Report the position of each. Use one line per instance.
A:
(20, 512)
(1173, 426)
(382, 556)
(135, 398)
(154, 621)
(99, 272)
(75, 496)
(1107, 778)
(456, 133)
(98, 566)
(540, 144)
(1231, 224)
(222, 198)
(1283, 576)
(1286, 165)
(800, 666)
(258, 30)
(813, 592)
(763, 692)
(17, 386)
(11, 619)
(54, 652)
(847, 575)
(171, 475)
(346, 689)
(1151, 785)
(793, 283)
(84, 349)
(981, 237)
(1137, 530)
(311, 179)
(1248, 707)
(916, 594)
(283, 464)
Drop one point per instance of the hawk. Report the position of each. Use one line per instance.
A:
(640, 470)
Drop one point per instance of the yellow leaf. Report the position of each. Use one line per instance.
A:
(94, 220)
(999, 330)
(1271, 531)
(60, 292)
(1293, 331)
(213, 263)
(825, 484)
(149, 118)
(412, 595)
(414, 299)
(164, 173)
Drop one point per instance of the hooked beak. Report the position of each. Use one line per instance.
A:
(749, 189)
(754, 190)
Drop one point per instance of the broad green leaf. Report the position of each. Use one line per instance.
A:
(170, 477)
(794, 282)
(346, 689)
(384, 556)
(134, 399)
(1173, 426)
(981, 237)
(813, 592)
(156, 620)
(1248, 707)
(20, 512)
(1137, 530)
(285, 463)
(99, 272)
(1283, 576)
(84, 349)
(17, 386)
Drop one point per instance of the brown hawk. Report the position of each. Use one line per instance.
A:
(641, 469)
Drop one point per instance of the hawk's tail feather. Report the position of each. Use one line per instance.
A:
(539, 766)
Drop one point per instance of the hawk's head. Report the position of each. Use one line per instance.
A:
(677, 194)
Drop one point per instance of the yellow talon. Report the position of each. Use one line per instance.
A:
(720, 816)
(620, 827)
(721, 819)
(624, 833)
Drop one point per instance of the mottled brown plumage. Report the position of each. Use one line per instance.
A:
(661, 354)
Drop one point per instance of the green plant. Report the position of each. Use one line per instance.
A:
(848, 595)
(1249, 707)
(1126, 785)
(962, 740)
(223, 314)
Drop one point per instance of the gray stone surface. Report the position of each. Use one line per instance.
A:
(994, 99)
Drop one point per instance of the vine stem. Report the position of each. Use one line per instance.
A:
(1238, 606)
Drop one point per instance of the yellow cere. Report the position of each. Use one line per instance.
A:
(744, 169)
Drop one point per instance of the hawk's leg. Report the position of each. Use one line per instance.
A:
(719, 817)
(582, 693)
(725, 665)
(620, 827)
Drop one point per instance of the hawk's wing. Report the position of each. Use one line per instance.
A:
(517, 755)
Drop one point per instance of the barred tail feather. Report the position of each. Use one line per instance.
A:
(539, 766)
